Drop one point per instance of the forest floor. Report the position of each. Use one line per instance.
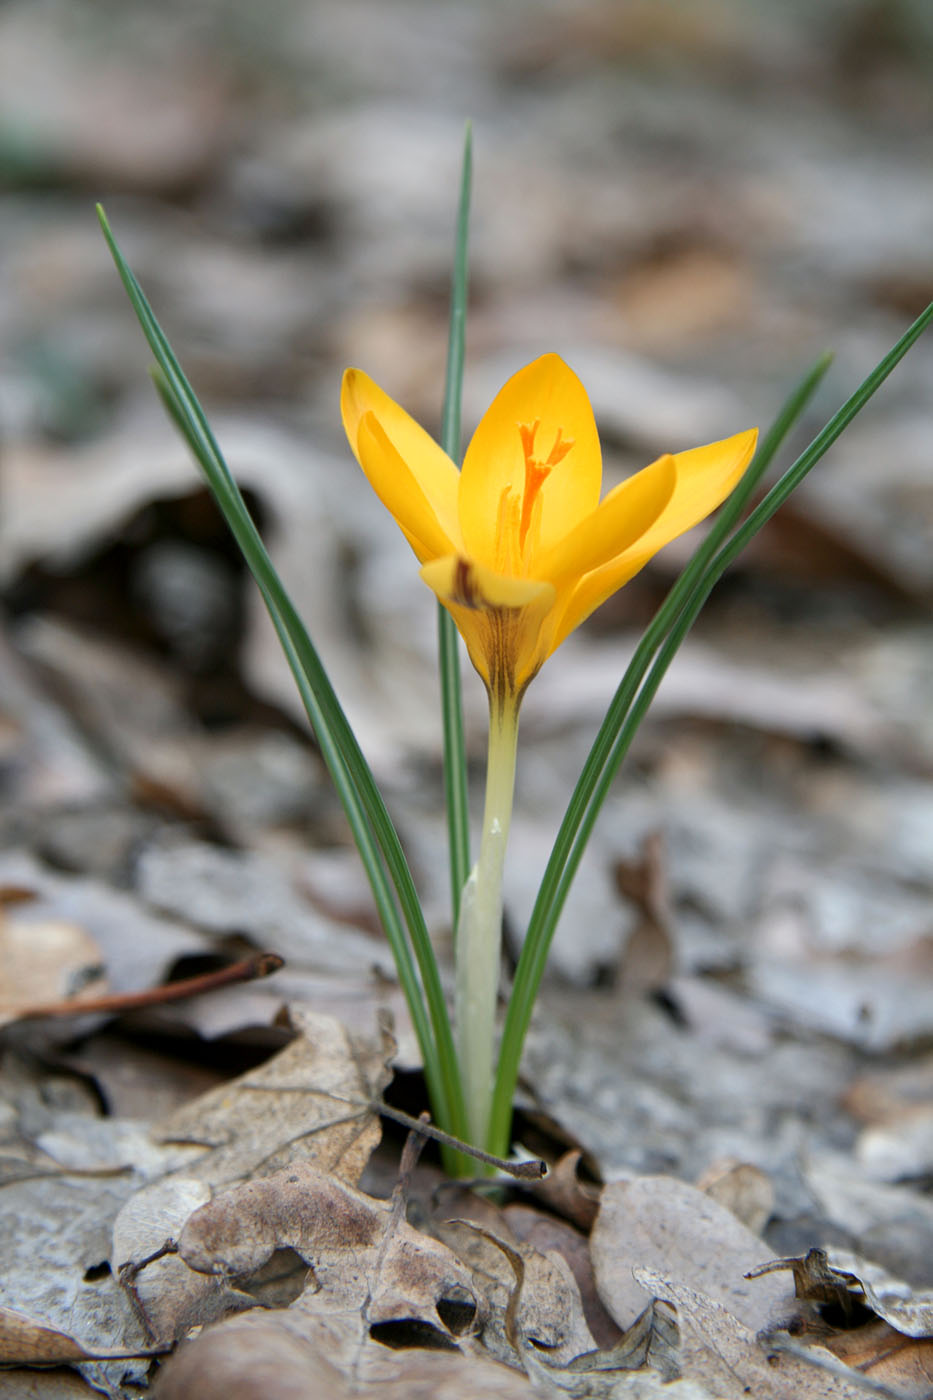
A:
(732, 1060)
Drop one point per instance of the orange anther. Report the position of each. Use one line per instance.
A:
(560, 449)
(536, 473)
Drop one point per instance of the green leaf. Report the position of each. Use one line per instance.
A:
(455, 769)
(380, 850)
(634, 695)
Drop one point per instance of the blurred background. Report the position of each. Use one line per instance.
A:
(690, 201)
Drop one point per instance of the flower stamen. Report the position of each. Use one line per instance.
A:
(508, 553)
(536, 472)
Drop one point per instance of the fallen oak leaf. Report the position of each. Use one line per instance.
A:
(600, 1372)
(58, 1384)
(167, 1297)
(542, 1231)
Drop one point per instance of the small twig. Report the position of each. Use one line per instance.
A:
(532, 1170)
(128, 1273)
(262, 965)
(411, 1152)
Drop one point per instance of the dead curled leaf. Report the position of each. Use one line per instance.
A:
(359, 1248)
(564, 1192)
(378, 1289)
(60, 1384)
(839, 1277)
(545, 1310)
(545, 1232)
(649, 957)
(650, 1341)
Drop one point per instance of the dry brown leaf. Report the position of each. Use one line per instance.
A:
(645, 1356)
(721, 1352)
(741, 1187)
(544, 1232)
(360, 1250)
(30, 1341)
(838, 1276)
(43, 961)
(547, 1306)
(289, 1356)
(659, 1223)
(255, 1357)
(648, 960)
(311, 1101)
(168, 1296)
(651, 1341)
(903, 1364)
(378, 1289)
(563, 1191)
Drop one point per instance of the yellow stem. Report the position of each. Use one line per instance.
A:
(479, 933)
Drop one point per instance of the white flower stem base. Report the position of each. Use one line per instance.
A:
(479, 934)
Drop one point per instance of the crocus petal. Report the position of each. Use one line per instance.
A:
(436, 475)
(624, 517)
(705, 477)
(399, 492)
(500, 619)
(548, 393)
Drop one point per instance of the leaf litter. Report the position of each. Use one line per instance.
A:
(746, 1009)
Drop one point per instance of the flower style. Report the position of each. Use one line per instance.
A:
(517, 545)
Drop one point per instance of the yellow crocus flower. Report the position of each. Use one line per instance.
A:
(517, 545)
(519, 549)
